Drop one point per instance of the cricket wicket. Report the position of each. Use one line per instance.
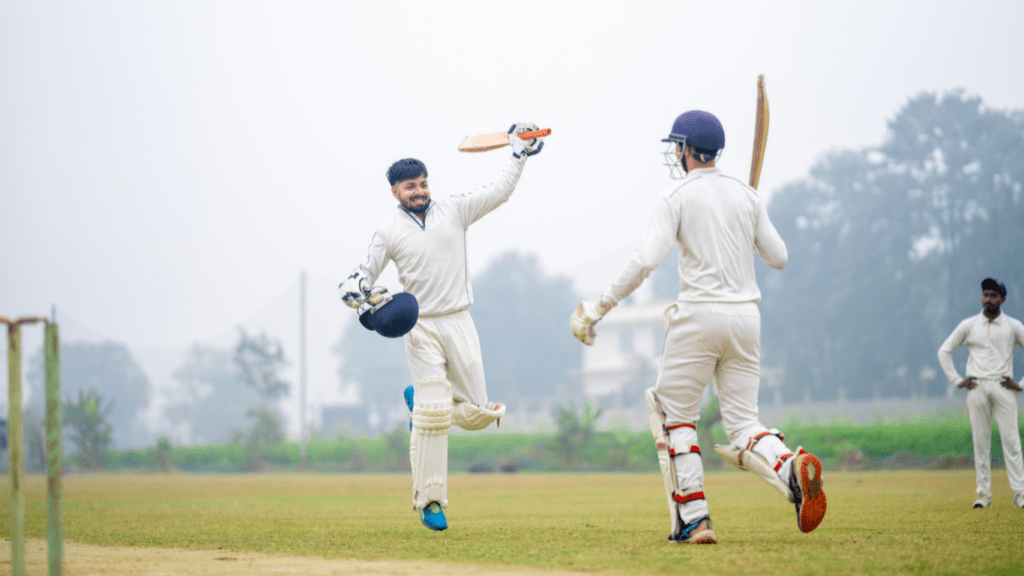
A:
(16, 447)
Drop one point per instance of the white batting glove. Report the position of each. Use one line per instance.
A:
(522, 147)
(588, 314)
(355, 289)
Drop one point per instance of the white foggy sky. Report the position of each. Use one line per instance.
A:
(168, 168)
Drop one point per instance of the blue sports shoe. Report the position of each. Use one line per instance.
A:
(433, 517)
(408, 402)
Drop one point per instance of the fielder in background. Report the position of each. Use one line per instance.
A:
(426, 239)
(991, 391)
(713, 330)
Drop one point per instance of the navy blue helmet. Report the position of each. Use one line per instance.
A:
(395, 317)
(698, 129)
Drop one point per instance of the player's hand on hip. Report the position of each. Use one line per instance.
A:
(354, 289)
(586, 315)
(968, 383)
(522, 147)
(1009, 384)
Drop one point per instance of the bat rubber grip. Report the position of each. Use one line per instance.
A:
(534, 134)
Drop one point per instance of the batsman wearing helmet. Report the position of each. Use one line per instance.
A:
(712, 331)
(426, 239)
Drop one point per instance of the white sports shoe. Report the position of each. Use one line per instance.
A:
(982, 502)
(1018, 500)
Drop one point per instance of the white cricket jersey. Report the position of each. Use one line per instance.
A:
(431, 254)
(716, 222)
(990, 344)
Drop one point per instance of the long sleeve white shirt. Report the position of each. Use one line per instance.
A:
(430, 255)
(717, 222)
(990, 345)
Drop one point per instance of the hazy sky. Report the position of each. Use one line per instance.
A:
(168, 168)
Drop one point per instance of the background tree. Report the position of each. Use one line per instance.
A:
(87, 416)
(887, 249)
(164, 453)
(522, 317)
(574, 432)
(259, 360)
(231, 395)
(109, 369)
(376, 365)
(211, 401)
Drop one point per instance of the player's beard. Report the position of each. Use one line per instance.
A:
(417, 209)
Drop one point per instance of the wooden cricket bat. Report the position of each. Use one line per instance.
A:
(485, 142)
(760, 134)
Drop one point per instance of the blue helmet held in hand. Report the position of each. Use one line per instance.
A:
(390, 315)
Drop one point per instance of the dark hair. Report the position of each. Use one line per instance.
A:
(405, 169)
(992, 284)
(704, 155)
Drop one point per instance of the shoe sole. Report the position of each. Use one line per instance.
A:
(705, 537)
(812, 506)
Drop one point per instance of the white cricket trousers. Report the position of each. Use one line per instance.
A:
(723, 341)
(990, 399)
(448, 347)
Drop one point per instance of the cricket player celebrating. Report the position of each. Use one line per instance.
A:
(991, 391)
(426, 239)
(713, 330)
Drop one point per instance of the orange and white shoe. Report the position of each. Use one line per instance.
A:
(697, 532)
(805, 483)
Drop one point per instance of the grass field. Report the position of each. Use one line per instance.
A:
(879, 522)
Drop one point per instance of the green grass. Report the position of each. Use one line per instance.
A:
(878, 522)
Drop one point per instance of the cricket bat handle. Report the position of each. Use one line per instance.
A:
(534, 134)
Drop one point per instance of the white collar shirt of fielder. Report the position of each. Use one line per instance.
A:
(990, 345)
(431, 255)
(716, 221)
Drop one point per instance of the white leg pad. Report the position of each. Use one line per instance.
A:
(469, 416)
(664, 447)
(428, 446)
(747, 459)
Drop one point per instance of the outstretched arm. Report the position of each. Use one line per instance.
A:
(657, 241)
(477, 204)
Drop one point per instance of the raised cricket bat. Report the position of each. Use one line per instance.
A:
(760, 134)
(485, 142)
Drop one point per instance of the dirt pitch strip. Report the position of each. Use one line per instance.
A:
(90, 560)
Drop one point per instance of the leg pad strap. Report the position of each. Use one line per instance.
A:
(689, 495)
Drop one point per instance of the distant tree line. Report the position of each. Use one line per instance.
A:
(223, 395)
(887, 249)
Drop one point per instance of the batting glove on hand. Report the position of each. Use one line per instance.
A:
(355, 289)
(587, 314)
(522, 147)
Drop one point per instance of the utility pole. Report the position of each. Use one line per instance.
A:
(302, 369)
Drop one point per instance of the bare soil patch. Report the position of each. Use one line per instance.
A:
(91, 560)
